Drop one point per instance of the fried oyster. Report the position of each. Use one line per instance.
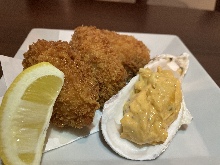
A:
(96, 65)
(77, 102)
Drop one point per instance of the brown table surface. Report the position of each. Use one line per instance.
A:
(198, 29)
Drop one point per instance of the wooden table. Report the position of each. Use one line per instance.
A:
(198, 29)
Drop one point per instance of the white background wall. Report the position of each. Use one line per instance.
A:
(197, 4)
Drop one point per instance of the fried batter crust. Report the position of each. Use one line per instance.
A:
(96, 63)
(77, 101)
(133, 54)
(97, 52)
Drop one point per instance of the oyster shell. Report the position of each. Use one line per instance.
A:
(113, 113)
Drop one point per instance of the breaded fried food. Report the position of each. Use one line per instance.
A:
(132, 53)
(96, 63)
(77, 101)
(96, 51)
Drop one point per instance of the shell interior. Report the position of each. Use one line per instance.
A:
(113, 113)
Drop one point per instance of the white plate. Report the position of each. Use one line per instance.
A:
(198, 144)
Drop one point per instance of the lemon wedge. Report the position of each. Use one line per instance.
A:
(25, 113)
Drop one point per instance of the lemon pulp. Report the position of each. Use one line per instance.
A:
(27, 117)
(45, 87)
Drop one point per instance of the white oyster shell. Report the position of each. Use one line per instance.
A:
(113, 113)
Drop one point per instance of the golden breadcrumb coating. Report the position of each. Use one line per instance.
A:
(77, 101)
(97, 52)
(132, 53)
(96, 63)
